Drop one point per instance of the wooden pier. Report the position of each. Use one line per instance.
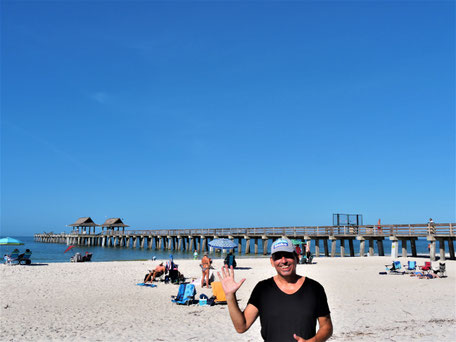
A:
(198, 239)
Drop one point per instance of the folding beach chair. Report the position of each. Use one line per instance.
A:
(441, 271)
(411, 266)
(395, 268)
(25, 259)
(427, 267)
(13, 258)
(76, 258)
(185, 294)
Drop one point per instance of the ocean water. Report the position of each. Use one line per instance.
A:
(54, 252)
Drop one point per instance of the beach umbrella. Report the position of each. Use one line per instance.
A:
(69, 247)
(222, 244)
(10, 241)
(296, 242)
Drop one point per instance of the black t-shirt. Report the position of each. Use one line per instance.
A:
(282, 315)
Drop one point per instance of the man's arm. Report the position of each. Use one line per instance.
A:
(241, 320)
(324, 331)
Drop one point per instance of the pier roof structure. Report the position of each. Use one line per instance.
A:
(84, 223)
(112, 223)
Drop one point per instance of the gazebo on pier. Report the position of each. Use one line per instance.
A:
(81, 225)
(111, 224)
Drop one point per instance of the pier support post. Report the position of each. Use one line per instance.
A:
(362, 245)
(380, 247)
(240, 245)
(265, 244)
(350, 246)
(442, 249)
(141, 239)
(317, 248)
(256, 245)
(325, 247)
(203, 243)
(103, 241)
(191, 245)
(179, 242)
(451, 248)
(116, 241)
(413, 247)
(371, 247)
(198, 243)
(404, 247)
(247, 244)
(333, 246)
(431, 240)
(135, 239)
(342, 248)
(149, 242)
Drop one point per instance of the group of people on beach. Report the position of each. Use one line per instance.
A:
(289, 305)
(16, 257)
(170, 270)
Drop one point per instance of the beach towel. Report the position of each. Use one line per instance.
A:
(145, 284)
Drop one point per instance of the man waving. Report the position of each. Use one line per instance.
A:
(288, 304)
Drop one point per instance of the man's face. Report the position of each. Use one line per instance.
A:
(284, 263)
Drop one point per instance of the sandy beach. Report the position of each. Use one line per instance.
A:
(101, 302)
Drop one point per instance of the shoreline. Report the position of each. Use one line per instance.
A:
(100, 301)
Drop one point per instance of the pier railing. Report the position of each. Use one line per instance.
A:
(417, 230)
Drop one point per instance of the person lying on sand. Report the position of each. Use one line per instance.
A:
(423, 275)
(158, 272)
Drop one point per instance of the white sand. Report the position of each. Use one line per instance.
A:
(100, 302)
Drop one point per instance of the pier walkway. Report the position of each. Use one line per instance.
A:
(198, 239)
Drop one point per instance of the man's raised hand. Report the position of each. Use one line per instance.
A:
(227, 279)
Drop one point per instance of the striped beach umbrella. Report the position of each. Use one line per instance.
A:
(222, 243)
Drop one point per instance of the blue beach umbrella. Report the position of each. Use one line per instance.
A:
(222, 244)
(10, 241)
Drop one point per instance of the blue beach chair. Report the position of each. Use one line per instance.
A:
(185, 294)
(411, 266)
(25, 259)
(395, 268)
(13, 258)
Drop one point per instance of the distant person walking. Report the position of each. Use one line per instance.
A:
(195, 255)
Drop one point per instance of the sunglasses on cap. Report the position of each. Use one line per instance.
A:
(280, 255)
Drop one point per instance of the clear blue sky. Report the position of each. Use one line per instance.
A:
(226, 114)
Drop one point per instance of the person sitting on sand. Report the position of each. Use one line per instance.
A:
(158, 272)
(205, 267)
